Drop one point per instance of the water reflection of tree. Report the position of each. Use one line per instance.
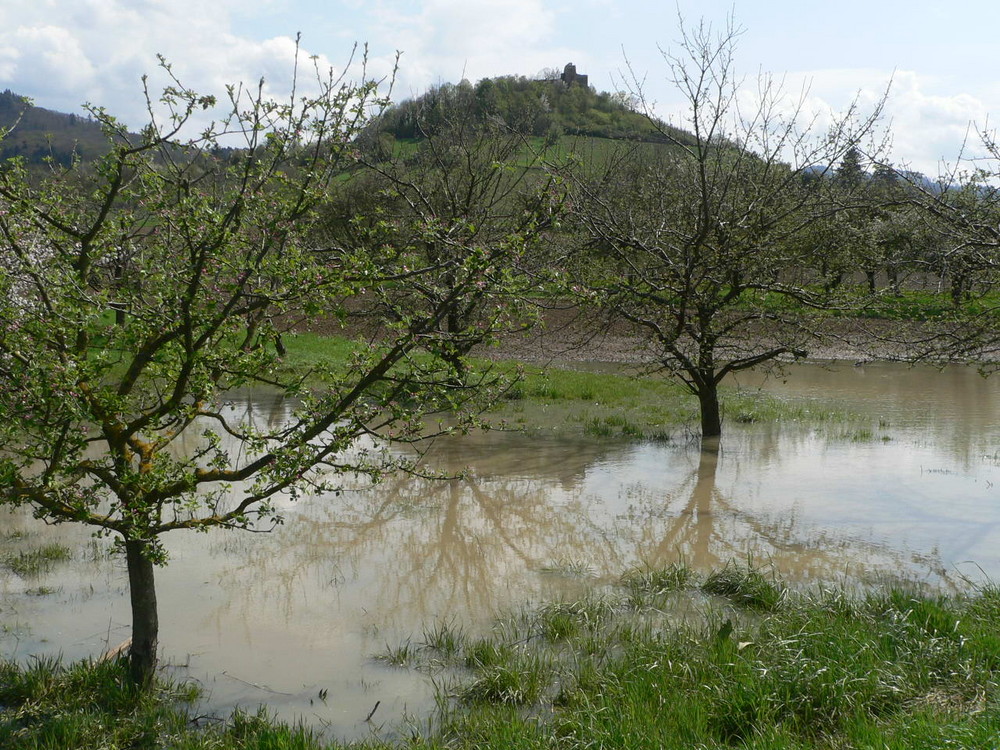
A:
(418, 548)
(699, 525)
(414, 549)
(257, 409)
(427, 547)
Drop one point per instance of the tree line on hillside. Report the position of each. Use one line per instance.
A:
(41, 136)
(548, 108)
(137, 291)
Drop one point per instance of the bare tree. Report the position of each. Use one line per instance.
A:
(959, 217)
(471, 187)
(693, 242)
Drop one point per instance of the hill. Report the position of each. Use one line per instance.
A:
(548, 108)
(39, 135)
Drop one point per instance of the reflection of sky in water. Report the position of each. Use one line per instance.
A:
(304, 607)
(897, 495)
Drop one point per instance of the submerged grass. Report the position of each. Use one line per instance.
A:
(650, 587)
(597, 404)
(35, 562)
(445, 638)
(602, 405)
(763, 667)
(619, 405)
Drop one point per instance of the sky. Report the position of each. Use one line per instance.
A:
(941, 59)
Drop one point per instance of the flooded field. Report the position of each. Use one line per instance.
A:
(276, 618)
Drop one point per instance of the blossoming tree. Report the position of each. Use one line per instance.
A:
(135, 293)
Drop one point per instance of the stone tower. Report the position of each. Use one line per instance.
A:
(570, 76)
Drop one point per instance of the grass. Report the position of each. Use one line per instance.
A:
(310, 351)
(46, 705)
(905, 305)
(826, 669)
(86, 705)
(650, 587)
(922, 305)
(483, 653)
(568, 568)
(445, 638)
(576, 401)
(753, 407)
(35, 562)
(764, 666)
(400, 656)
(745, 586)
(517, 681)
(609, 405)
(440, 643)
(559, 621)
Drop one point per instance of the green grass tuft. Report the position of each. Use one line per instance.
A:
(444, 638)
(561, 620)
(746, 587)
(86, 705)
(657, 580)
(35, 562)
(519, 681)
(818, 670)
(404, 654)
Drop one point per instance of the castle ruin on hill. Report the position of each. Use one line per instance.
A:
(570, 76)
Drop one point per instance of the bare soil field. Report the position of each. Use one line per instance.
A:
(572, 334)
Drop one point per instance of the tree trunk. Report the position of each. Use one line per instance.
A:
(458, 368)
(711, 416)
(145, 625)
(872, 280)
(893, 274)
(958, 289)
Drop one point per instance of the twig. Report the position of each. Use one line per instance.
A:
(372, 712)
(117, 651)
(255, 685)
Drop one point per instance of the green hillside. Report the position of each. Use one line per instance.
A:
(543, 108)
(546, 110)
(39, 135)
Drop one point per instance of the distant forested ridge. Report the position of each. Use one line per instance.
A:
(41, 136)
(548, 108)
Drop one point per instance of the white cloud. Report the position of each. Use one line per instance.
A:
(97, 50)
(931, 127)
(66, 52)
(447, 40)
(34, 56)
(927, 126)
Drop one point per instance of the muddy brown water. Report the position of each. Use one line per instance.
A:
(276, 618)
